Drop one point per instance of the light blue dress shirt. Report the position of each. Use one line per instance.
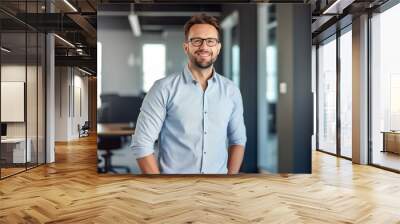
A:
(194, 127)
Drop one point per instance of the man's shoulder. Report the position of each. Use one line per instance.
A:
(225, 80)
(164, 86)
(168, 80)
(227, 83)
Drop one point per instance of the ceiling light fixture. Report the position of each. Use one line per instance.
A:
(337, 7)
(64, 40)
(70, 5)
(5, 50)
(134, 22)
(84, 71)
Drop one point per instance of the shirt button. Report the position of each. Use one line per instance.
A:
(205, 112)
(205, 132)
(205, 152)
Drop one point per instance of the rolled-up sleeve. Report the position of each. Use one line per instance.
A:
(236, 127)
(150, 121)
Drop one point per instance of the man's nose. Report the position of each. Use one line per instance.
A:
(203, 45)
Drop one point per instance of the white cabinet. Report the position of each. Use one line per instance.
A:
(18, 149)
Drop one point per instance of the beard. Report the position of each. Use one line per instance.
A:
(200, 62)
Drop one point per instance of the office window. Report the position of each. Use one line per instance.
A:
(385, 88)
(271, 97)
(235, 56)
(236, 64)
(327, 96)
(272, 75)
(268, 148)
(346, 94)
(153, 64)
(99, 72)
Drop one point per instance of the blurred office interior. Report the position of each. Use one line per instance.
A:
(70, 61)
(141, 43)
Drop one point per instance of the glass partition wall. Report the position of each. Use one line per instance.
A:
(345, 64)
(22, 88)
(334, 117)
(385, 89)
(334, 90)
(13, 88)
(327, 90)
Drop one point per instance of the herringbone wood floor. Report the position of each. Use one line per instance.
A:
(70, 191)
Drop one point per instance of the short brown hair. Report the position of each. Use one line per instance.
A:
(201, 19)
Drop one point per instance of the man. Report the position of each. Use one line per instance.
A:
(193, 113)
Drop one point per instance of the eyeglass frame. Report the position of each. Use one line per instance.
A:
(202, 41)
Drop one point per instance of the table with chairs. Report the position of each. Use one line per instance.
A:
(111, 138)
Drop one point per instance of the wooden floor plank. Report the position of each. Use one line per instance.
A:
(71, 191)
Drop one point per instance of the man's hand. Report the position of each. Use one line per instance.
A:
(235, 157)
(148, 165)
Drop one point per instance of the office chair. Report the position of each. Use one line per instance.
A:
(109, 144)
(84, 129)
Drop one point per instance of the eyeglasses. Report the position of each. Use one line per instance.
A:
(197, 42)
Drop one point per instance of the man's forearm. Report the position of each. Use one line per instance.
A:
(235, 158)
(148, 165)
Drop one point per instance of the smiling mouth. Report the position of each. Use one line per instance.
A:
(204, 55)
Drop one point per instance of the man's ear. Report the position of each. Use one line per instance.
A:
(219, 47)
(185, 47)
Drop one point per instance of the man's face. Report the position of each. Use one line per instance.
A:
(202, 56)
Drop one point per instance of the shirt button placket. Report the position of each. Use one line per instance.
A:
(205, 119)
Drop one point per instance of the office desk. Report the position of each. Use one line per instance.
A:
(115, 129)
(391, 141)
(15, 148)
(111, 137)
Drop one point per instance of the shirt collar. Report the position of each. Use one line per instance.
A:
(188, 76)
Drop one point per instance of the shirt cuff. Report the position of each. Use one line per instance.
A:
(238, 142)
(140, 152)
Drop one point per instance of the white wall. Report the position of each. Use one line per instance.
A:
(12, 73)
(33, 126)
(122, 55)
(79, 118)
(121, 74)
(69, 82)
(61, 103)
